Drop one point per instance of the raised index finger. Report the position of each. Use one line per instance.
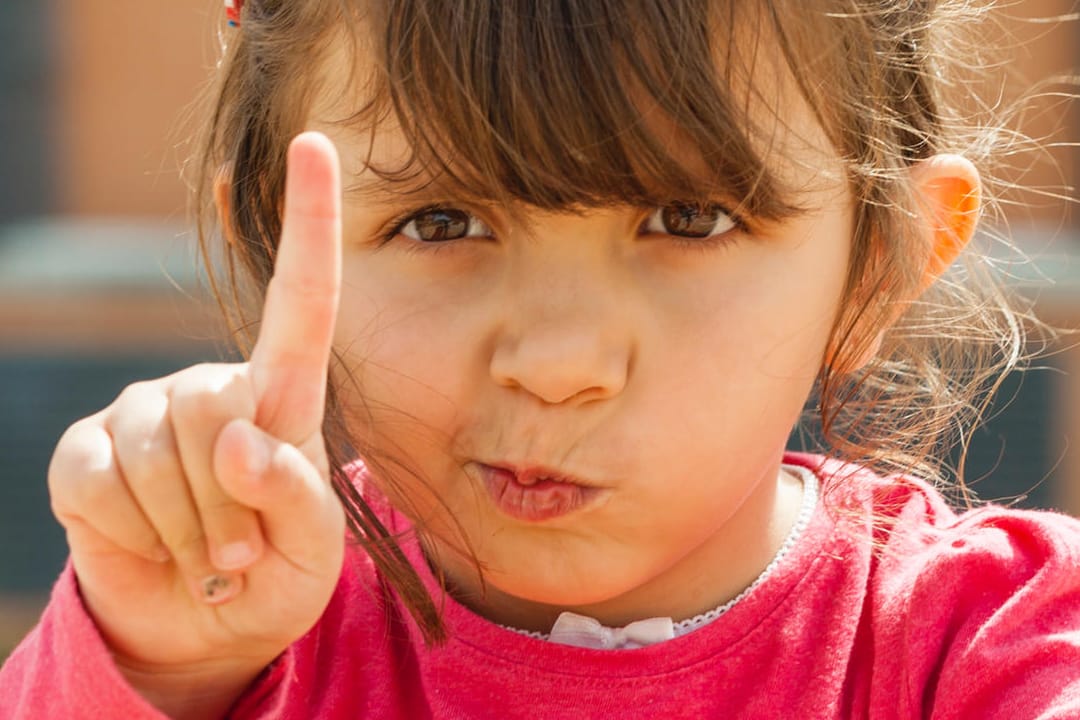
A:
(290, 359)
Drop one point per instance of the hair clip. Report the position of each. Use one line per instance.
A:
(232, 11)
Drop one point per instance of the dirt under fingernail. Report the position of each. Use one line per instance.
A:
(216, 588)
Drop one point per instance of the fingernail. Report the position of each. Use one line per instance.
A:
(235, 555)
(161, 553)
(216, 588)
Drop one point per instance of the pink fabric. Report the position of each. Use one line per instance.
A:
(976, 616)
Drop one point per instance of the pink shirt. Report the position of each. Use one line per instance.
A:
(969, 616)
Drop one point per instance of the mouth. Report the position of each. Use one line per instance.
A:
(535, 494)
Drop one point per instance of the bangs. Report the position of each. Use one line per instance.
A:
(568, 104)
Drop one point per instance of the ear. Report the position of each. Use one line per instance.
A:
(950, 196)
(949, 193)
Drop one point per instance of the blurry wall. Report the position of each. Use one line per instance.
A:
(97, 266)
(25, 72)
(125, 74)
(1033, 449)
(1039, 56)
(97, 279)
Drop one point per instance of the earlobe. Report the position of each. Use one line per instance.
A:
(950, 196)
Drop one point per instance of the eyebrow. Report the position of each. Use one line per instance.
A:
(417, 189)
(414, 187)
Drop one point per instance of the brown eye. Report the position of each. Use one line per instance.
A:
(689, 220)
(442, 224)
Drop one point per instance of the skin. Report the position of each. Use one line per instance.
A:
(154, 487)
(666, 375)
(664, 372)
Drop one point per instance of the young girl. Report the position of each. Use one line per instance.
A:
(510, 440)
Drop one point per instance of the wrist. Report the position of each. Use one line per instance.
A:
(203, 691)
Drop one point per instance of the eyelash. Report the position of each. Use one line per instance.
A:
(397, 227)
(734, 224)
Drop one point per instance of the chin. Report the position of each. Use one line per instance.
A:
(561, 593)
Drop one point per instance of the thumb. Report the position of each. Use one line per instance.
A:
(300, 514)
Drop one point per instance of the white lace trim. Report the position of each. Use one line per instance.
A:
(806, 513)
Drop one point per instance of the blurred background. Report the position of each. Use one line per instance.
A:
(98, 280)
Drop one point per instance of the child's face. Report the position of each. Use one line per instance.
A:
(662, 374)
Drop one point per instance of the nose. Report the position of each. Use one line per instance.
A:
(563, 344)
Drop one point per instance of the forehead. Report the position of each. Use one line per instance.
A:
(542, 135)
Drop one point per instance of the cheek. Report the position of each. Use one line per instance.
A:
(400, 410)
(793, 313)
(750, 346)
(770, 325)
(406, 363)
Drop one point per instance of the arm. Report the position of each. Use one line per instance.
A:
(991, 622)
(63, 668)
(159, 491)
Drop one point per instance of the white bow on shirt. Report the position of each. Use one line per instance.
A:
(587, 632)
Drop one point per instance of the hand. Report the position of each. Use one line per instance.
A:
(203, 528)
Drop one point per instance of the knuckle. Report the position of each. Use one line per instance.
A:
(95, 491)
(137, 414)
(138, 394)
(150, 458)
(199, 374)
(143, 444)
(209, 390)
(84, 449)
(74, 445)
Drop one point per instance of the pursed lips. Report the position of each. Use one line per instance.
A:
(534, 493)
(528, 474)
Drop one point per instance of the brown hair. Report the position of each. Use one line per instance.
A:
(552, 99)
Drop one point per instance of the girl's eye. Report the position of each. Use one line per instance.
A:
(687, 220)
(438, 224)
